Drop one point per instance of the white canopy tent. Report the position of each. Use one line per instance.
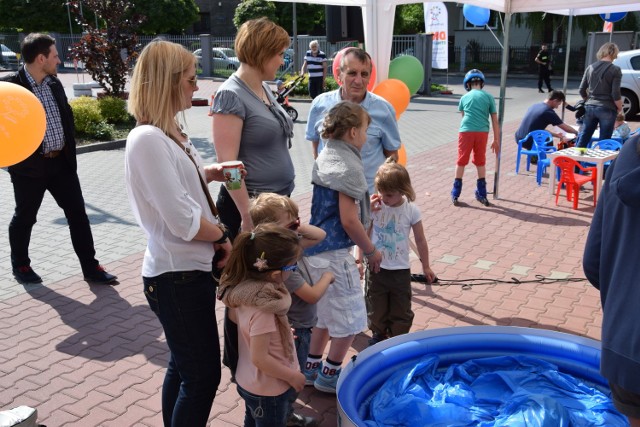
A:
(378, 17)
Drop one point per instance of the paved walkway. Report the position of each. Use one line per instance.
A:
(94, 355)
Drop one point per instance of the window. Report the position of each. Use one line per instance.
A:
(635, 62)
(494, 22)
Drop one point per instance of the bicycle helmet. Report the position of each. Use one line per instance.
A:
(474, 75)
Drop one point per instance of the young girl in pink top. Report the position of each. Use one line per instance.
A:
(252, 286)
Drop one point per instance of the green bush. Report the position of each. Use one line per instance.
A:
(86, 114)
(113, 109)
(102, 131)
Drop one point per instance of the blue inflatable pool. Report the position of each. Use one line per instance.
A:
(361, 378)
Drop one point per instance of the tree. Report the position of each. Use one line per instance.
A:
(252, 9)
(310, 18)
(35, 16)
(409, 19)
(107, 52)
(166, 16)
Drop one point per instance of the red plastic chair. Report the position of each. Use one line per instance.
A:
(572, 180)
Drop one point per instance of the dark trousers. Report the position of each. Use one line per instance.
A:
(594, 116)
(544, 75)
(185, 303)
(315, 86)
(63, 184)
(389, 302)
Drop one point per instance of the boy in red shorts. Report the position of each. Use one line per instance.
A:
(476, 108)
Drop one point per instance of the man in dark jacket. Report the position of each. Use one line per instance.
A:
(543, 59)
(52, 167)
(610, 262)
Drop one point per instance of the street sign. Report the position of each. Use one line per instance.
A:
(613, 17)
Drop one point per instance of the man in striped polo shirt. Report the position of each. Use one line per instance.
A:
(315, 61)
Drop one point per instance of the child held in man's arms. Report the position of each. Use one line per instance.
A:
(340, 206)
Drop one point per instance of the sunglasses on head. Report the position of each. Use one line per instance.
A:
(294, 225)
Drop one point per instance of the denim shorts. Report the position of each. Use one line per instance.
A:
(266, 411)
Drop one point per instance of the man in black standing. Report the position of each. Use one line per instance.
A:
(543, 59)
(51, 168)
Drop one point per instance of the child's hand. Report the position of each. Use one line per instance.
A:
(328, 275)
(297, 381)
(361, 270)
(494, 146)
(429, 275)
(376, 202)
(374, 261)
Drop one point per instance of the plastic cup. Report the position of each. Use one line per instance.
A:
(231, 171)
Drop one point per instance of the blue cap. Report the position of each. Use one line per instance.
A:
(474, 75)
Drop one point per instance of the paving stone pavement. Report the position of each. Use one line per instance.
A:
(95, 355)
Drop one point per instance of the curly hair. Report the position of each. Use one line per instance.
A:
(341, 117)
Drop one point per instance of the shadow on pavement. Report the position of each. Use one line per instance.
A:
(103, 328)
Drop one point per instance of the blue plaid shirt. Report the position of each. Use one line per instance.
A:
(54, 135)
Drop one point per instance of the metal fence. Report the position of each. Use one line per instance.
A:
(521, 59)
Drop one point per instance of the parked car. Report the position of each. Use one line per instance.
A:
(223, 58)
(9, 58)
(629, 62)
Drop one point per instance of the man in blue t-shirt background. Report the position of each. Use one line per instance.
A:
(541, 115)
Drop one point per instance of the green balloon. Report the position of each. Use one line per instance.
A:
(408, 70)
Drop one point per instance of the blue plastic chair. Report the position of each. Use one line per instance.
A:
(606, 144)
(543, 160)
(540, 138)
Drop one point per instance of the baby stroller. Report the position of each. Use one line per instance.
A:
(282, 95)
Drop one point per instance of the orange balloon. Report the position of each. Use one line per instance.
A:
(402, 155)
(22, 123)
(335, 67)
(396, 92)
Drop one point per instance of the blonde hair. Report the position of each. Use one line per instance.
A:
(341, 117)
(156, 93)
(392, 176)
(268, 207)
(620, 117)
(268, 248)
(258, 40)
(608, 49)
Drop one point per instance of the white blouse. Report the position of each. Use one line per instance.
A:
(167, 200)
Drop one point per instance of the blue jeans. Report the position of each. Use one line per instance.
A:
(266, 411)
(302, 343)
(593, 116)
(184, 302)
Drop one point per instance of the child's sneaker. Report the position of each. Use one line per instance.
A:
(327, 379)
(311, 372)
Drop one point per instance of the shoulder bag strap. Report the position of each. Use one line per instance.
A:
(203, 184)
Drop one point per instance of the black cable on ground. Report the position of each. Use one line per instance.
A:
(469, 283)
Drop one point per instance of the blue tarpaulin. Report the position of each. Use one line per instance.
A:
(504, 391)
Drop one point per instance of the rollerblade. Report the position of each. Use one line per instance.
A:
(481, 192)
(456, 190)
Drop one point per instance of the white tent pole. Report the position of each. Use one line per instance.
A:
(503, 89)
(566, 60)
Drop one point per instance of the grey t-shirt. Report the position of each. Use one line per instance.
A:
(264, 143)
(300, 314)
(601, 83)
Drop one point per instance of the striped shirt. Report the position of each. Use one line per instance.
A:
(54, 135)
(315, 63)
